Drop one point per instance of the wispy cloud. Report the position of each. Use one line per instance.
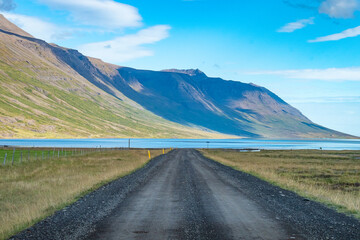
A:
(291, 27)
(7, 5)
(339, 8)
(39, 28)
(351, 32)
(107, 14)
(97, 15)
(127, 47)
(329, 74)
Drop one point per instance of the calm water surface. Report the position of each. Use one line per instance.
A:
(326, 144)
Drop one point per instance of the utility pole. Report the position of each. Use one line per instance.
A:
(129, 143)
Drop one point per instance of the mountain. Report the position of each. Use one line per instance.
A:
(54, 92)
(50, 91)
(191, 98)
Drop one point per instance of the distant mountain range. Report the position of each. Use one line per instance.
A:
(54, 92)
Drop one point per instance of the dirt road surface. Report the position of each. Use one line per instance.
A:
(183, 195)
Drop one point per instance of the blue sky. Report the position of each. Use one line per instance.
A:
(306, 51)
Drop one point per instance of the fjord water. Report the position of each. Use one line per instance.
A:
(325, 144)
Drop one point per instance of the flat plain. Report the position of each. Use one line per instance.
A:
(331, 177)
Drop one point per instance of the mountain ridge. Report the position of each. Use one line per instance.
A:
(148, 84)
(190, 72)
(6, 25)
(47, 92)
(51, 91)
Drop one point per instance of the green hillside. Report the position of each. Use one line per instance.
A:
(43, 97)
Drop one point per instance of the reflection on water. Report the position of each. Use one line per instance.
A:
(326, 144)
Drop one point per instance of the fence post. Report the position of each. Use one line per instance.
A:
(58, 153)
(12, 162)
(35, 156)
(5, 159)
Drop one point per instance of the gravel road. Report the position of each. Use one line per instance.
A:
(183, 195)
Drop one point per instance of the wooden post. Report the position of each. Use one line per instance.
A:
(12, 162)
(5, 159)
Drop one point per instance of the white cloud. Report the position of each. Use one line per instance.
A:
(329, 74)
(107, 14)
(127, 47)
(351, 32)
(291, 27)
(38, 28)
(339, 8)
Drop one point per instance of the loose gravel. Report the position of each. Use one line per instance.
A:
(183, 195)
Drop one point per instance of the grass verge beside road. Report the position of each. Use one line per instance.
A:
(35, 189)
(330, 177)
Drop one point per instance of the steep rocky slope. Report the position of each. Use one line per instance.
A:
(191, 98)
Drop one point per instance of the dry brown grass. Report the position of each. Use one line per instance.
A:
(331, 177)
(35, 189)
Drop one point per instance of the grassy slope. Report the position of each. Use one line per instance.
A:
(331, 177)
(35, 189)
(42, 97)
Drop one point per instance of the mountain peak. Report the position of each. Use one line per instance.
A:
(8, 26)
(190, 72)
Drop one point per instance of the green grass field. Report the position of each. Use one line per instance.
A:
(15, 156)
(34, 189)
(331, 177)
